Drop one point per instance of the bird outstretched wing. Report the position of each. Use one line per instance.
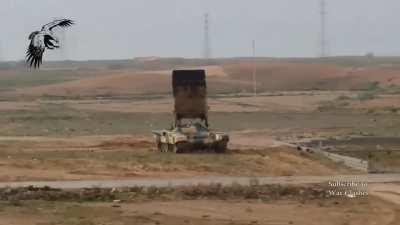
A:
(40, 40)
(34, 54)
(58, 23)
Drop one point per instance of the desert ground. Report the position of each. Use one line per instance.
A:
(372, 211)
(94, 121)
(215, 204)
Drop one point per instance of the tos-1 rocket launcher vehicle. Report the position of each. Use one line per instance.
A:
(190, 131)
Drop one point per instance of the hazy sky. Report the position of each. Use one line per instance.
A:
(116, 29)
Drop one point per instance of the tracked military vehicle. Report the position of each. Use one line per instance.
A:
(190, 131)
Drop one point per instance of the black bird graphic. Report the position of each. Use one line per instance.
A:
(42, 40)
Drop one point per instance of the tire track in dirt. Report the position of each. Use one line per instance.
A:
(388, 192)
(296, 180)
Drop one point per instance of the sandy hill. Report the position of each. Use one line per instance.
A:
(228, 77)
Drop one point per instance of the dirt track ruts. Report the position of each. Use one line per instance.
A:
(368, 178)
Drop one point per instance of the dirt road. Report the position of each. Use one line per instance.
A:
(370, 178)
(388, 192)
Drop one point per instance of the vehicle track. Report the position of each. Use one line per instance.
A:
(368, 178)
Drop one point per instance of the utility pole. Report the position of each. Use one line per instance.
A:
(62, 53)
(323, 37)
(206, 44)
(64, 45)
(254, 68)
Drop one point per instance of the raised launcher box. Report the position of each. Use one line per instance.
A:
(190, 95)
